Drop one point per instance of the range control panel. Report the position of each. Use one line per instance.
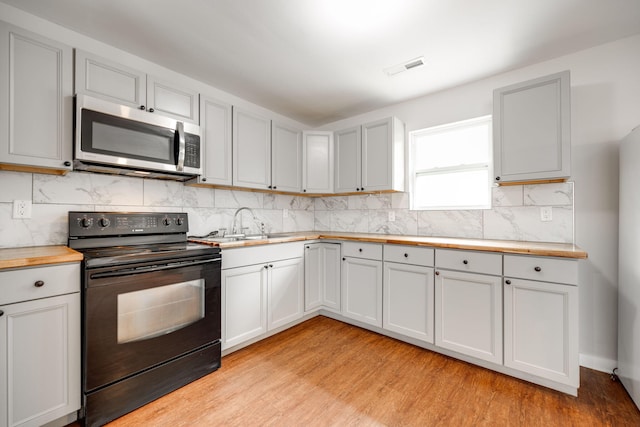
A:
(83, 224)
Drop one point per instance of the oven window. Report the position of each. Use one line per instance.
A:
(157, 311)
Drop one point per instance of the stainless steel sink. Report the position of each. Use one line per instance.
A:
(239, 238)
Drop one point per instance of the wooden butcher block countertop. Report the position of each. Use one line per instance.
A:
(37, 255)
(563, 250)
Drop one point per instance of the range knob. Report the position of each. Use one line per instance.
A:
(86, 222)
(104, 222)
(166, 222)
(179, 221)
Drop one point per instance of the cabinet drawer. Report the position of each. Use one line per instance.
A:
(19, 284)
(362, 250)
(409, 255)
(476, 262)
(250, 255)
(542, 269)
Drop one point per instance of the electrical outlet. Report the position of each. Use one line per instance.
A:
(285, 213)
(392, 216)
(546, 214)
(21, 209)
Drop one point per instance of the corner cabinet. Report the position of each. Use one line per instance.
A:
(532, 130)
(109, 80)
(370, 157)
(317, 162)
(40, 342)
(322, 276)
(541, 317)
(36, 102)
(468, 303)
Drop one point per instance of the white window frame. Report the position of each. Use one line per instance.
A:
(488, 165)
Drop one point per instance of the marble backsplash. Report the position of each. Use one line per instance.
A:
(515, 214)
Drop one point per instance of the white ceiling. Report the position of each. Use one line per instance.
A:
(318, 61)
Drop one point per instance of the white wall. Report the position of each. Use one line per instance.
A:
(605, 95)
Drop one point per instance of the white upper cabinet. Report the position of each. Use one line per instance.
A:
(251, 150)
(215, 134)
(286, 158)
(347, 164)
(109, 80)
(532, 130)
(317, 162)
(36, 107)
(370, 157)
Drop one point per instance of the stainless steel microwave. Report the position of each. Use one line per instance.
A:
(112, 138)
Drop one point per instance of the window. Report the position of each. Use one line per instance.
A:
(451, 166)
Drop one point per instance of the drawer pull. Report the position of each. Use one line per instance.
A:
(437, 273)
(39, 284)
(406, 255)
(360, 250)
(537, 269)
(508, 282)
(465, 262)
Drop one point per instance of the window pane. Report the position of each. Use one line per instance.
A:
(452, 147)
(463, 189)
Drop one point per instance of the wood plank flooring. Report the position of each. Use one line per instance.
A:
(327, 373)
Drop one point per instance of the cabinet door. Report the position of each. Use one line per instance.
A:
(468, 310)
(40, 360)
(244, 307)
(541, 329)
(322, 276)
(532, 129)
(362, 290)
(286, 292)
(102, 78)
(215, 129)
(377, 155)
(286, 158)
(36, 80)
(317, 163)
(251, 150)
(169, 100)
(347, 160)
(408, 300)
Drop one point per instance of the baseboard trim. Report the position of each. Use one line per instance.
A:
(598, 363)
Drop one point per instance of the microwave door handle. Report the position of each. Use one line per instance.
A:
(181, 146)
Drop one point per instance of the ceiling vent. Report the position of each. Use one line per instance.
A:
(408, 65)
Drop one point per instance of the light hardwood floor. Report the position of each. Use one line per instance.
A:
(327, 373)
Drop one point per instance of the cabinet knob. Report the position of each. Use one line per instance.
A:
(67, 163)
(359, 249)
(406, 255)
(151, 110)
(344, 259)
(508, 282)
(266, 266)
(437, 273)
(537, 268)
(275, 188)
(270, 265)
(1, 313)
(269, 187)
(497, 178)
(362, 189)
(465, 262)
(39, 284)
(204, 179)
(307, 247)
(142, 107)
(304, 191)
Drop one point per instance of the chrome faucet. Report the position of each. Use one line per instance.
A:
(234, 230)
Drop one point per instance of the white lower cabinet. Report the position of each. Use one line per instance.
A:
(40, 344)
(362, 282)
(468, 311)
(322, 276)
(541, 319)
(260, 297)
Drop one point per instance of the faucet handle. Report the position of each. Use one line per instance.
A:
(222, 231)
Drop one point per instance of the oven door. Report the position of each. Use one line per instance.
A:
(143, 315)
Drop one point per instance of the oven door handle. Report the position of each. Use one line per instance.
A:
(150, 268)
